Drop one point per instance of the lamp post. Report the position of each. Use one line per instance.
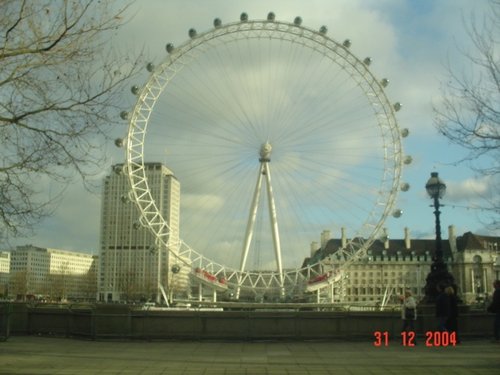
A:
(496, 266)
(439, 274)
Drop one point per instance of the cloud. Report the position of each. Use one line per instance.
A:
(409, 43)
(74, 225)
(474, 192)
(225, 252)
(471, 189)
(201, 202)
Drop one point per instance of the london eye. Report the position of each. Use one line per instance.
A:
(276, 132)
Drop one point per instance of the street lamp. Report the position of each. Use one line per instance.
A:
(439, 274)
(496, 267)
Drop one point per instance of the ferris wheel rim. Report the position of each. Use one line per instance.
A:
(157, 82)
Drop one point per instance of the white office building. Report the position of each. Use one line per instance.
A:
(4, 272)
(52, 274)
(131, 264)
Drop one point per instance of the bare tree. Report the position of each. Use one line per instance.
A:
(60, 86)
(129, 285)
(19, 284)
(469, 115)
(88, 284)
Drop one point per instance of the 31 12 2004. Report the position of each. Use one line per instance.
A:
(408, 338)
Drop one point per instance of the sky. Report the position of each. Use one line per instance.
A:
(410, 42)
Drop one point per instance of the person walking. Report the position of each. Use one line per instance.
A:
(494, 308)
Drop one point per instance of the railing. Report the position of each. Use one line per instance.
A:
(237, 321)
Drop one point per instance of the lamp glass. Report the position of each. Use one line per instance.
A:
(435, 186)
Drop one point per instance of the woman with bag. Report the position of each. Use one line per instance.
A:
(408, 312)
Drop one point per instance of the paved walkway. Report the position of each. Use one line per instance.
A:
(46, 355)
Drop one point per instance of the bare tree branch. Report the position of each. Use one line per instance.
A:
(60, 92)
(469, 115)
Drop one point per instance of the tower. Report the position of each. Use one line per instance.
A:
(131, 263)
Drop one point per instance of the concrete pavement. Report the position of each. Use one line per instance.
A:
(49, 355)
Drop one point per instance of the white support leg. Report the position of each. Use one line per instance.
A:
(274, 227)
(250, 225)
(264, 170)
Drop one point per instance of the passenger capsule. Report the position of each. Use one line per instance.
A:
(347, 43)
(405, 132)
(192, 33)
(384, 82)
(244, 17)
(150, 67)
(124, 115)
(217, 23)
(323, 30)
(397, 106)
(136, 225)
(407, 160)
(405, 186)
(271, 16)
(297, 21)
(169, 47)
(119, 142)
(367, 61)
(397, 213)
(135, 89)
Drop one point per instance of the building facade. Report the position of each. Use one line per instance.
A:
(52, 274)
(394, 265)
(4, 273)
(131, 263)
(476, 265)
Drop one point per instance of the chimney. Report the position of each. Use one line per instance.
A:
(343, 238)
(325, 236)
(385, 237)
(407, 239)
(314, 247)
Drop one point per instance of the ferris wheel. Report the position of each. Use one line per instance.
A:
(275, 132)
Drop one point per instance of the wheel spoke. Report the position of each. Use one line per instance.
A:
(214, 101)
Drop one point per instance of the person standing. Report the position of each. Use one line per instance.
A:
(408, 312)
(442, 308)
(452, 320)
(494, 308)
